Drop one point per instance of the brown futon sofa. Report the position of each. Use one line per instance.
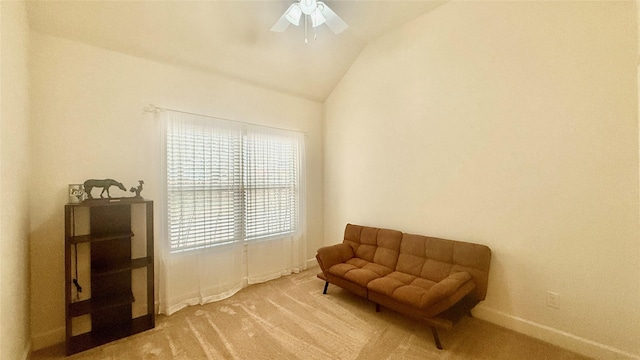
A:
(434, 280)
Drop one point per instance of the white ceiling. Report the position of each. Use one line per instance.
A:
(229, 37)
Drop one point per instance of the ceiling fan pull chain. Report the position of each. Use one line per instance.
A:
(305, 30)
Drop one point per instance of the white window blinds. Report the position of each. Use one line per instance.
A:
(229, 182)
(271, 184)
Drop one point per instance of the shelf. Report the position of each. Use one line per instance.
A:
(107, 255)
(125, 266)
(102, 336)
(108, 202)
(94, 238)
(92, 305)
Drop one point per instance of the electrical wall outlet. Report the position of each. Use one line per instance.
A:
(553, 300)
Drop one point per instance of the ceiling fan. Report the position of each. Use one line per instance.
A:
(319, 13)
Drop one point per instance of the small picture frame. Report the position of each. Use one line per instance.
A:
(76, 193)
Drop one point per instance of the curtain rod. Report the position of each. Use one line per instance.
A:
(156, 109)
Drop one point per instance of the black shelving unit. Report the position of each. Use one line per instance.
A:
(111, 265)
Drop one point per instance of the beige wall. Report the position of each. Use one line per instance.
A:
(14, 181)
(88, 122)
(512, 124)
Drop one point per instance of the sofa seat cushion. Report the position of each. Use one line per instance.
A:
(416, 291)
(359, 271)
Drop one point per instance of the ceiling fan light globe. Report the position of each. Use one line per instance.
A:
(317, 18)
(293, 14)
(334, 22)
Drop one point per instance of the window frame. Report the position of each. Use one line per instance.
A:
(242, 189)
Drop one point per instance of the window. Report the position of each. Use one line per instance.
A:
(229, 182)
(270, 182)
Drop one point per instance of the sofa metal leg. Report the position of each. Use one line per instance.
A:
(326, 285)
(436, 338)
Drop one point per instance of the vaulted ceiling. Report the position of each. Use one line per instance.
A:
(229, 37)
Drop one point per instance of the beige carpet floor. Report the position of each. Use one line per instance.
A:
(290, 318)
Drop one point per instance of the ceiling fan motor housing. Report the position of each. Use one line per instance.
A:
(308, 6)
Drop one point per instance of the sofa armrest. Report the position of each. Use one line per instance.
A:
(331, 255)
(445, 288)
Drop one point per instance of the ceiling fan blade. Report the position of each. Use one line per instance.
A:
(334, 22)
(282, 24)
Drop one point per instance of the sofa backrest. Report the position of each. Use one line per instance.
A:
(380, 246)
(435, 259)
(427, 257)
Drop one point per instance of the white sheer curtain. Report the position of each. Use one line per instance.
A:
(233, 210)
(274, 203)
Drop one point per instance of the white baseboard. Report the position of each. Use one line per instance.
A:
(49, 338)
(311, 263)
(553, 336)
(545, 333)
